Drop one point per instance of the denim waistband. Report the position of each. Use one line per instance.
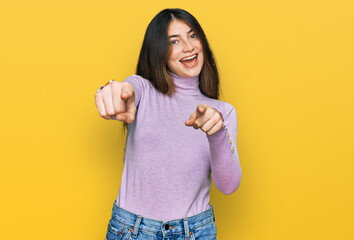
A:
(138, 222)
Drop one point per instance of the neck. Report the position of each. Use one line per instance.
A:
(186, 85)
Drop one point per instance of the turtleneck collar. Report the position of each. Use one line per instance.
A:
(186, 85)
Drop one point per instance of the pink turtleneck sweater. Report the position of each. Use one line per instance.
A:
(167, 164)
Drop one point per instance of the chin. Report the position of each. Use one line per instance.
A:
(185, 72)
(191, 73)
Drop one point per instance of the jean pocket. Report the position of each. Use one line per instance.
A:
(205, 232)
(117, 231)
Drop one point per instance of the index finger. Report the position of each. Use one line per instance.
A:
(201, 109)
(126, 92)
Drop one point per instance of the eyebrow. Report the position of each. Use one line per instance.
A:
(176, 35)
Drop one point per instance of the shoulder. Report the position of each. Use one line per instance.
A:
(138, 81)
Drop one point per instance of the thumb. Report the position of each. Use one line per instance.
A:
(191, 119)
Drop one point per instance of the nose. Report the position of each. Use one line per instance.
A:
(188, 46)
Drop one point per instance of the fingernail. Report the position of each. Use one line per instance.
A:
(120, 118)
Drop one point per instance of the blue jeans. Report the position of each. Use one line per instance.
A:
(125, 225)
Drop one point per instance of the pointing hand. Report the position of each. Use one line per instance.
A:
(207, 118)
(116, 101)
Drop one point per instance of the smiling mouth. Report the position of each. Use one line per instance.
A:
(190, 61)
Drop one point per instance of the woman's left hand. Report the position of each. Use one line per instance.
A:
(207, 118)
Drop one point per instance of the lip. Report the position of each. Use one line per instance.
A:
(191, 66)
(189, 56)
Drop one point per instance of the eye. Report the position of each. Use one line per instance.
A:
(194, 35)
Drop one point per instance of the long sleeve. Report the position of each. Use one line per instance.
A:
(225, 163)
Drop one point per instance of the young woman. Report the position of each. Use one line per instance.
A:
(178, 133)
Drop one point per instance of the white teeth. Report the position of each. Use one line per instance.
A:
(189, 58)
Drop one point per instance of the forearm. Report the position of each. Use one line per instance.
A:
(225, 164)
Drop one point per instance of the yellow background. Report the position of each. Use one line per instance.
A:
(286, 66)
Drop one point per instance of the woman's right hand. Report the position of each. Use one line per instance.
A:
(116, 101)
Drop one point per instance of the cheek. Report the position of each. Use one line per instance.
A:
(201, 59)
(172, 61)
(201, 55)
(199, 45)
(173, 55)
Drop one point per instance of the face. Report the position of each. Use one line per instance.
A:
(185, 50)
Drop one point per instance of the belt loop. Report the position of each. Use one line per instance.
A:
(212, 208)
(186, 228)
(136, 226)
